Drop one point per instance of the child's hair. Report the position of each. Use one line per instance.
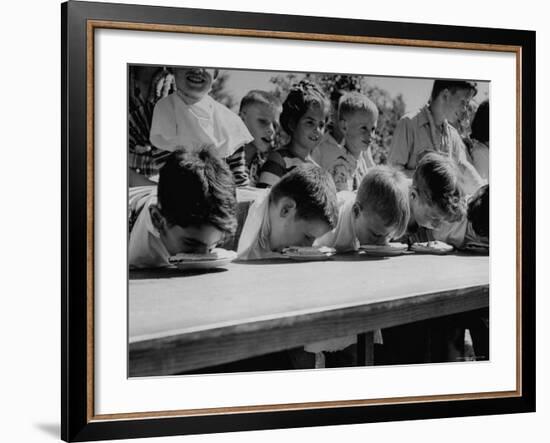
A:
(384, 191)
(354, 101)
(313, 190)
(197, 188)
(302, 96)
(452, 86)
(263, 97)
(436, 180)
(478, 211)
(480, 123)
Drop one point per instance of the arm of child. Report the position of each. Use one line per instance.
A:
(272, 170)
(237, 165)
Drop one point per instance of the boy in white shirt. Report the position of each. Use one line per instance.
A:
(190, 119)
(349, 161)
(377, 212)
(191, 211)
(299, 208)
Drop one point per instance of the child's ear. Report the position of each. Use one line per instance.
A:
(414, 193)
(287, 207)
(343, 125)
(356, 208)
(159, 222)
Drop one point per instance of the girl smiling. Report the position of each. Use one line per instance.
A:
(303, 118)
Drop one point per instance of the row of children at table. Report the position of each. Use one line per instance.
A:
(193, 210)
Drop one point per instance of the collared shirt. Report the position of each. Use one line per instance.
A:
(255, 166)
(416, 134)
(346, 170)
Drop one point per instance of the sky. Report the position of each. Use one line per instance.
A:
(415, 91)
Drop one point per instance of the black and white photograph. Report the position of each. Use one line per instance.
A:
(283, 221)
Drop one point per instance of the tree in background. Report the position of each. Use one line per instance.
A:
(391, 109)
(219, 90)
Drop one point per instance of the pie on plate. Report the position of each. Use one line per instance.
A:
(432, 247)
(216, 258)
(387, 250)
(308, 252)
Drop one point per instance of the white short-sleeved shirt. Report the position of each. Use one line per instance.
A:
(342, 237)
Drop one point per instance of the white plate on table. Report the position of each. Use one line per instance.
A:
(432, 247)
(308, 253)
(389, 250)
(217, 258)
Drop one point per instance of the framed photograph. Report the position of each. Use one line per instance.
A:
(275, 221)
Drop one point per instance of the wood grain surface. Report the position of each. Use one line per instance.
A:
(182, 321)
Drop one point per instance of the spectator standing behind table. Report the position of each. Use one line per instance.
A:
(431, 130)
(191, 211)
(190, 119)
(298, 209)
(260, 111)
(304, 116)
(144, 158)
(349, 161)
(478, 144)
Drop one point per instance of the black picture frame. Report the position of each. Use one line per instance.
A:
(78, 422)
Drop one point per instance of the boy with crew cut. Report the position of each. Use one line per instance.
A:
(260, 111)
(300, 207)
(349, 161)
(376, 213)
(190, 211)
(431, 129)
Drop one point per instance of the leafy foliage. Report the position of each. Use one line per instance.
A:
(219, 91)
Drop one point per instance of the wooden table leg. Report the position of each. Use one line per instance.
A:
(365, 349)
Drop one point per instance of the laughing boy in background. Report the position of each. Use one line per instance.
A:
(190, 119)
(260, 111)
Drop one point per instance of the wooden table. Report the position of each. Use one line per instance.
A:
(185, 321)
